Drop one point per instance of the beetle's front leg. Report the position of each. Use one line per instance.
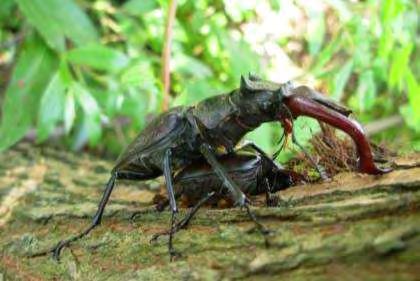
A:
(237, 195)
(260, 151)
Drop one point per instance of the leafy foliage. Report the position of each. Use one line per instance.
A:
(91, 69)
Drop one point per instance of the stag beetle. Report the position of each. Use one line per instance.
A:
(213, 127)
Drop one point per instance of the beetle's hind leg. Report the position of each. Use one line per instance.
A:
(167, 172)
(56, 250)
(271, 199)
(129, 175)
(186, 220)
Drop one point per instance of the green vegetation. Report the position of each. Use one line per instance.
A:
(88, 73)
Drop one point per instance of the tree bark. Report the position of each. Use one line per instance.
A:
(354, 227)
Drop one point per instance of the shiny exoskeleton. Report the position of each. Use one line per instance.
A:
(253, 171)
(250, 168)
(212, 128)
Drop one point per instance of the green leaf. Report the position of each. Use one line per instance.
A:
(362, 54)
(93, 125)
(413, 92)
(92, 114)
(263, 137)
(139, 7)
(389, 9)
(140, 74)
(411, 118)
(341, 78)
(85, 99)
(6, 8)
(32, 72)
(57, 19)
(326, 55)
(84, 131)
(399, 65)
(366, 90)
(190, 66)
(316, 31)
(65, 74)
(142, 87)
(386, 43)
(38, 13)
(194, 91)
(51, 107)
(74, 22)
(241, 59)
(304, 129)
(98, 57)
(137, 104)
(69, 111)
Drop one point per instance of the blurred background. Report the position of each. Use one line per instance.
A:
(86, 75)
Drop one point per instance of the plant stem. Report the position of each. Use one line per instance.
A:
(166, 54)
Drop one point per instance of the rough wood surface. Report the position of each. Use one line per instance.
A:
(355, 227)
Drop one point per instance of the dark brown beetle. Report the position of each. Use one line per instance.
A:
(253, 171)
(182, 135)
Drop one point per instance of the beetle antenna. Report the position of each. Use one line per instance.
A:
(282, 146)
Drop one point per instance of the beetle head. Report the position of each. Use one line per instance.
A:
(265, 96)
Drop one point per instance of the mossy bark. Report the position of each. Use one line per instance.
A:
(354, 227)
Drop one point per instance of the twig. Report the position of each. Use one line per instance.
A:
(380, 125)
(166, 54)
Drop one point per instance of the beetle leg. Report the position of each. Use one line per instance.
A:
(237, 195)
(261, 228)
(283, 142)
(56, 250)
(271, 200)
(185, 221)
(167, 172)
(261, 152)
(97, 218)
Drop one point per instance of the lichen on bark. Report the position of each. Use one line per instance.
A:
(355, 226)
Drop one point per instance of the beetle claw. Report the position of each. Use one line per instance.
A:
(174, 255)
(57, 250)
